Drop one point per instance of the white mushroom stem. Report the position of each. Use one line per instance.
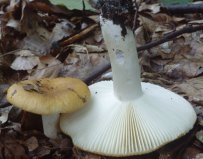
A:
(122, 118)
(51, 125)
(124, 61)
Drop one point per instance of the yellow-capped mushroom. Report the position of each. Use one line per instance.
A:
(49, 97)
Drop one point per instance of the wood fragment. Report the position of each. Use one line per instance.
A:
(183, 8)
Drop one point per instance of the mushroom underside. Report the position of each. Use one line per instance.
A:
(111, 127)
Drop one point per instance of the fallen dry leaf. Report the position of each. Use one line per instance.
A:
(153, 8)
(193, 88)
(81, 65)
(4, 114)
(199, 136)
(87, 48)
(190, 153)
(199, 156)
(31, 143)
(12, 149)
(48, 67)
(3, 90)
(183, 69)
(25, 63)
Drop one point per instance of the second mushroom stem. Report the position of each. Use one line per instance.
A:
(124, 60)
(51, 125)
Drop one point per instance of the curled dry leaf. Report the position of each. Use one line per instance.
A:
(82, 65)
(12, 149)
(42, 151)
(199, 156)
(13, 24)
(199, 136)
(179, 59)
(184, 69)
(153, 8)
(3, 91)
(139, 34)
(25, 62)
(199, 111)
(193, 88)
(37, 43)
(148, 24)
(61, 30)
(190, 153)
(87, 49)
(97, 35)
(4, 114)
(77, 153)
(31, 143)
(48, 67)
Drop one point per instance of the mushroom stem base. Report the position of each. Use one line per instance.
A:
(51, 125)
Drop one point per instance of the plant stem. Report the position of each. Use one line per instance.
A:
(124, 60)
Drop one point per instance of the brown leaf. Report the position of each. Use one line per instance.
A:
(42, 151)
(190, 153)
(81, 65)
(3, 92)
(25, 63)
(199, 156)
(48, 67)
(153, 8)
(31, 143)
(4, 114)
(183, 69)
(13, 150)
(192, 88)
(199, 136)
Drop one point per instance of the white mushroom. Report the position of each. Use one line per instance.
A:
(127, 117)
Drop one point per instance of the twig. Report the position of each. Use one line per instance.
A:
(77, 36)
(97, 73)
(135, 15)
(170, 36)
(188, 29)
(183, 8)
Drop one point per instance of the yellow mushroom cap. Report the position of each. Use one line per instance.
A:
(48, 96)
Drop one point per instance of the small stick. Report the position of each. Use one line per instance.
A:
(98, 72)
(170, 36)
(183, 8)
(77, 36)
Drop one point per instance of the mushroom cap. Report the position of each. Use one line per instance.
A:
(111, 127)
(48, 96)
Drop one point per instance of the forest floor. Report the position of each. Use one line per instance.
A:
(38, 40)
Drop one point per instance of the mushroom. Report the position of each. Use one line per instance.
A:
(127, 117)
(49, 97)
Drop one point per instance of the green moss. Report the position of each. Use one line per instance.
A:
(72, 4)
